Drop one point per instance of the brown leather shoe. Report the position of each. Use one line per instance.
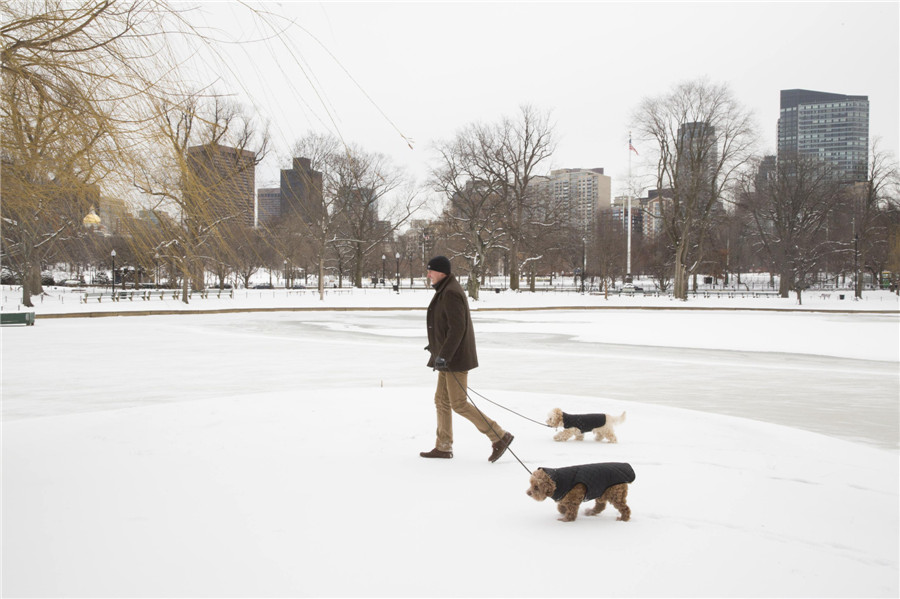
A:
(500, 447)
(436, 453)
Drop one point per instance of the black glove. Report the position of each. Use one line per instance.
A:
(441, 364)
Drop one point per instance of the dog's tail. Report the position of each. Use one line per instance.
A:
(617, 420)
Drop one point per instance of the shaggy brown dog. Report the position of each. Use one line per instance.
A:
(569, 487)
(602, 425)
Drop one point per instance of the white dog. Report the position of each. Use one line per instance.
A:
(575, 425)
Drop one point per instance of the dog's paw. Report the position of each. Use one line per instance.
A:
(560, 436)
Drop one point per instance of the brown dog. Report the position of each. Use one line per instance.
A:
(570, 486)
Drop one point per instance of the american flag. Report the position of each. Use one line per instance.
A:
(632, 148)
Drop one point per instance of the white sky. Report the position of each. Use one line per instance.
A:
(432, 68)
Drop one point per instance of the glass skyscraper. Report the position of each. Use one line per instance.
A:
(832, 127)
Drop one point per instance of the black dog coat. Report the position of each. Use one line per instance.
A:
(584, 422)
(596, 477)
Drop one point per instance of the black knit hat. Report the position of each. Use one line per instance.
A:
(439, 264)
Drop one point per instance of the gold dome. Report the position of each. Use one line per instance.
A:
(91, 219)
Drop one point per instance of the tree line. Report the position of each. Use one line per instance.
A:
(93, 107)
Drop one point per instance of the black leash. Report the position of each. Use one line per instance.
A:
(507, 409)
(486, 421)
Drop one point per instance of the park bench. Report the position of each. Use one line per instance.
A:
(95, 295)
(26, 318)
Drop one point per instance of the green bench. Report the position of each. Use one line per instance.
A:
(26, 318)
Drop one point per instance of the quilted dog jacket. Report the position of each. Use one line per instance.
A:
(584, 422)
(596, 477)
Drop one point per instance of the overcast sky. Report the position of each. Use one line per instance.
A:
(376, 72)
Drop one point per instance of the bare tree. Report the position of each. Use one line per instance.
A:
(512, 153)
(870, 202)
(788, 215)
(364, 184)
(476, 201)
(362, 202)
(702, 138)
(608, 250)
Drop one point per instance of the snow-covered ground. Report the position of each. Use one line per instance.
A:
(275, 453)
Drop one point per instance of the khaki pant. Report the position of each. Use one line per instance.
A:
(451, 395)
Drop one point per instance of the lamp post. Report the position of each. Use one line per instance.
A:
(156, 258)
(383, 258)
(113, 255)
(397, 256)
(284, 271)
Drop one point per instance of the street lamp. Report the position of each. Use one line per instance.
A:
(113, 255)
(383, 258)
(397, 256)
(285, 273)
(156, 257)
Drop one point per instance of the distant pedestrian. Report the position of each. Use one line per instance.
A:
(451, 342)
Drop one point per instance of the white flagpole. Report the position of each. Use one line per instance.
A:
(628, 253)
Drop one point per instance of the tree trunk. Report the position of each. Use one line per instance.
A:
(857, 292)
(321, 278)
(784, 284)
(29, 287)
(472, 286)
(679, 286)
(185, 280)
(514, 265)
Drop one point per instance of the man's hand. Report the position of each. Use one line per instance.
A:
(441, 364)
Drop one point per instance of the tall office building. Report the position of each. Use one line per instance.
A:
(697, 148)
(224, 182)
(301, 191)
(268, 205)
(831, 127)
(581, 194)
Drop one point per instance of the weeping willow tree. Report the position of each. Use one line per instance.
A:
(107, 104)
(74, 78)
(85, 88)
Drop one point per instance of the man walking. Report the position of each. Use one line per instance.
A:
(451, 341)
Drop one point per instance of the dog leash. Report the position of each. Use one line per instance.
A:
(507, 409)
(486, 421)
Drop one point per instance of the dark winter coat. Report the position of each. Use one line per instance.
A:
(584, 422)
(450, 332)
(596, 477)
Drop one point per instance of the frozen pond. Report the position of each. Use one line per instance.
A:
(76, 365)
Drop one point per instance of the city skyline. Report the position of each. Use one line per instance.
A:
(388, 76)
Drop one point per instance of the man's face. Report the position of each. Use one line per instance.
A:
(434, 277)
